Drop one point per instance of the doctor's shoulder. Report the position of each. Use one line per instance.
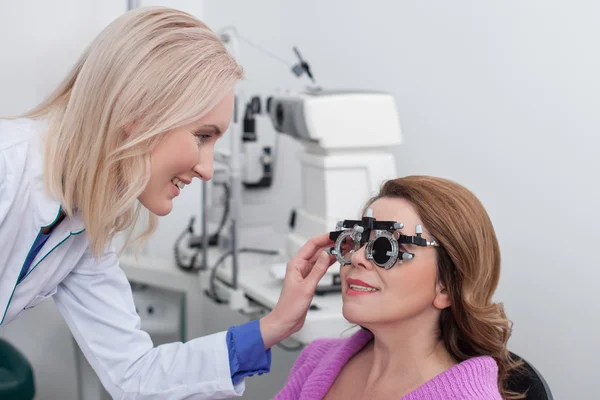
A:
(14, 132)
(21, 171)
(21, 155)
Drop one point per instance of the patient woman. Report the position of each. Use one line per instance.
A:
(429, 327)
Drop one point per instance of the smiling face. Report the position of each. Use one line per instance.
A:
(183, 154)
(372, 295)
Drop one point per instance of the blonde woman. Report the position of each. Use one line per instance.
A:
(134, 122)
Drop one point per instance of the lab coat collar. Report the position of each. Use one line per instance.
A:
(49, 210)
(47, 206)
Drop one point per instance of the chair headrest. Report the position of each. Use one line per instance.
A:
(528, 380)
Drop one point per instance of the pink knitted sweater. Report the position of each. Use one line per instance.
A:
(320, 363)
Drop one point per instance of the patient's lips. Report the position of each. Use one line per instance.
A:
(356, 287)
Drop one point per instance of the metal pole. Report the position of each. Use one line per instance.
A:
(204, 229)
(235, 198)
(131, 4)
(230, 36)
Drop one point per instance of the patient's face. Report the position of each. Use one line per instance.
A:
(403, 292)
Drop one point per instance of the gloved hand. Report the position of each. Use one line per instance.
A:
(303, 273)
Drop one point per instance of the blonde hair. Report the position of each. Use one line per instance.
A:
(151, 70)
(468, 267)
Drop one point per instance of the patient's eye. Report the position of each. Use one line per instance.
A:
(381, 247)
(347, 246)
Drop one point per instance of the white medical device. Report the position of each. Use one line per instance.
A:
(348, 137)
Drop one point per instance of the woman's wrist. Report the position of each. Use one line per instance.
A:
(272, 331)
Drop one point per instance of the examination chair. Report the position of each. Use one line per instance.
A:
(531, 382)
(16, 374)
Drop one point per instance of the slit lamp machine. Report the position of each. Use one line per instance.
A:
(347, 139)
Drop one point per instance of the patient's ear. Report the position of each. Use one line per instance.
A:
(442, 298)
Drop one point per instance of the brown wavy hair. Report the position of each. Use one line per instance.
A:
(468, 267)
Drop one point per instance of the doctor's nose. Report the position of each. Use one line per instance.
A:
(205, 169)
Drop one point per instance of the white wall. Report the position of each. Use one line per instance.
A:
(500, 96)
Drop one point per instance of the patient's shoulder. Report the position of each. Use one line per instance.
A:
(317, 350)
(332, 350)
(325, 344)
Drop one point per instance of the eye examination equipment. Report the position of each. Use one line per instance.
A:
(384, 248)
(347, 137)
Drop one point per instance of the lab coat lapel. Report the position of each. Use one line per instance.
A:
(59, 237)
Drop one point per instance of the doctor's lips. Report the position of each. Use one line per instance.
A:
(179, 183)
(357, 287)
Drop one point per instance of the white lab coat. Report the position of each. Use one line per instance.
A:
(93, 296)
